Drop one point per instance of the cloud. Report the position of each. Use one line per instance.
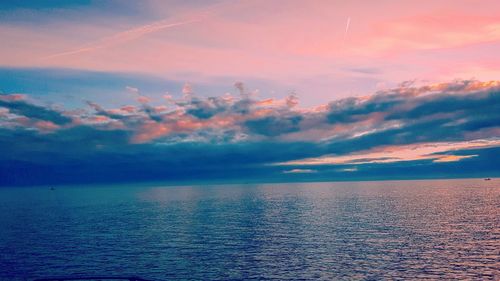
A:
(353, 169)
(453, 158)
(272, 126)
(429, 31)
(364, 70)
(132, 90)
(187, 89)
(437, 152)
(299, 171)
(19, 105)
(439, 124)
(240, 86)
(206, 108)
(404, 115)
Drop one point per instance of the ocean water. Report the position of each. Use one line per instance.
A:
(382, 230)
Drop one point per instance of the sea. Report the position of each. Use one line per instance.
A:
(378, 230)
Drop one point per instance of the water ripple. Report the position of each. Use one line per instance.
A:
(323, 231)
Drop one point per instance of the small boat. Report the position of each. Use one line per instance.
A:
(487, 179)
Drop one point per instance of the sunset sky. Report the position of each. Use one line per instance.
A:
(119, 91)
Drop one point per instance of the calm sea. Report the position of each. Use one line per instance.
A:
(333, 231)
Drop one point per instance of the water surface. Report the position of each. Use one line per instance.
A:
(346, 230)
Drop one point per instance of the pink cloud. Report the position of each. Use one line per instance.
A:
(452, 158)
(143, 99)
(149, 131)
(46, 126)
(434, 31)
(12, 97)
(129, 108)
(341, 121)
(390, 154)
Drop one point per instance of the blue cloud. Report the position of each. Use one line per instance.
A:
(29, 110)
(274, 125)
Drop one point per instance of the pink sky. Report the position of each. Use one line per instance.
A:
(318, 88)
(304, 45)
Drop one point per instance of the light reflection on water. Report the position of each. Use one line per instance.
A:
(351, 230)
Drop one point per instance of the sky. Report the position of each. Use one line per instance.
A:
(125, 91)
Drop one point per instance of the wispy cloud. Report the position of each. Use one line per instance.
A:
(300, 171)
(437, 152)
(125, 36)
(453, 158)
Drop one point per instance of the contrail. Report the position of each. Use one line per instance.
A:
(347, 25)
(346, 29)
(124, 36)
(135, 33)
